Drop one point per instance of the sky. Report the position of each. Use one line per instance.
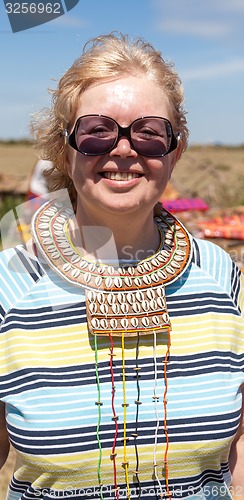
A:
(205, 40)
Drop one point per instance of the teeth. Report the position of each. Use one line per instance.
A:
(120, 176)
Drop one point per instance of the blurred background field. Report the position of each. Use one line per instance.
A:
(213, 173)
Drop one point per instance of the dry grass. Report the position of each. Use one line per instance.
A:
(16, 159)
(215, 174)
(6, 473)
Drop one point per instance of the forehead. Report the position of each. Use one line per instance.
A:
(124, 98)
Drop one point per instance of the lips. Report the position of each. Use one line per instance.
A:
(121, 176)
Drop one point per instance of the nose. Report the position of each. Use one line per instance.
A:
(123, 148)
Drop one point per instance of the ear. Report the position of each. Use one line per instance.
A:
(178, 150)
(69, 162)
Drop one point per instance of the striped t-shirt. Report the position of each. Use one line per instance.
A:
(62, 393)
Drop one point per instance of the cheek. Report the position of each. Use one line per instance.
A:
(160, 168)
(70, 162)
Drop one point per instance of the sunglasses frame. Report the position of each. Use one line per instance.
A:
(122, 132)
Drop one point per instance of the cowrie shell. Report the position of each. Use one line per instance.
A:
(100, 298)
(147, 279)
(150, 293)
(104, 308)
(115, 308)
(95, 323)
(138, 281)
(51, 248)
(47, 241)
(104, 323)
(145, 321)
(165, 317)
(68, 251)
(155, 320)
(124, 308)
(145, 305)
(179, 234)
(178, 258)
(174, 264)
(75, 258)
(87, 277)
(58, 226)
(134, 322)
(118, 282)
(110, 270)
(169, 270)
(155, 278)
(139, 296)
(91, 295)
(153, 305)
(93, 308)
(83, 264)
(180, 252)
(92, 267)
(147, 266)
(130, 297)
(111, 298)
(140, 269)
(128, 281)
(98, 281)
(75, 273)
(55, 255)
(124, 323)
(121, 297)
(113, 323)
(108, 282)
(66, 267)
(136, 307)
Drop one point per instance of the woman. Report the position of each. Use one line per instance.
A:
(122, 353)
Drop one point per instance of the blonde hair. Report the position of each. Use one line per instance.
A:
(104, 57)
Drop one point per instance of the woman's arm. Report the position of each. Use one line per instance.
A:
(236, 459)
(4, 441)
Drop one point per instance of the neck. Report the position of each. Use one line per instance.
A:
(123, 238)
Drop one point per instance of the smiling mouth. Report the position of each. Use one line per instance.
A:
(120, 176)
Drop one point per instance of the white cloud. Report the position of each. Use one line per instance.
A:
(232, 5)
(208, 72)
(206, 29)
(70, 21)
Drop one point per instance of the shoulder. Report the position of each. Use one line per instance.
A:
(19, 271)
(216, 265)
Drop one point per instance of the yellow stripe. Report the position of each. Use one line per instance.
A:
(85, 475)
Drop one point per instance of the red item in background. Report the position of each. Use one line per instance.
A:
(184, 204)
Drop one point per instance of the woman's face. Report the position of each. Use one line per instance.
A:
(122, 181)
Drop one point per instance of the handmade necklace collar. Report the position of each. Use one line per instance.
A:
(120, 300)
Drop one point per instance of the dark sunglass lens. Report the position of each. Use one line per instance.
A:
(151, 136)
(95, 135)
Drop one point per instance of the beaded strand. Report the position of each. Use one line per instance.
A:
(124, 404)
(138, 403)
(99, 404)
(115, 417)
(166, 465)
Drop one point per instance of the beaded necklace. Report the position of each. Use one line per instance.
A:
(121, 301)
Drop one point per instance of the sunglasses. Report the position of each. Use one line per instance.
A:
(95, 135)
